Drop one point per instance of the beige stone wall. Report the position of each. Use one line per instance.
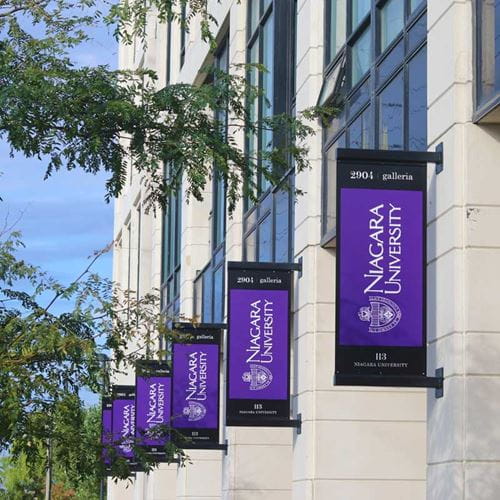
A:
(464, 269)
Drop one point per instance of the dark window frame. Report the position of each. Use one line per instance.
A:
(370, 78)
(254, 214)
(482, 107)
(206, 310)
(171, 247)
(183, 31)
(169, 53)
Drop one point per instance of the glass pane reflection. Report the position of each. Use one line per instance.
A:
(391, 115)
(361, 56)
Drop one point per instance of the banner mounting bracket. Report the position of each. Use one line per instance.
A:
(214, 446)
(376, 380)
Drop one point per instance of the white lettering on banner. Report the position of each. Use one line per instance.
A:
(197, 376)
(156, 404)
(128, 427)
(261, 332)
(384, 272)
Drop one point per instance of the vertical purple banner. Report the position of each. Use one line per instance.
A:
(153, 395)
(258, 361)
(195, 398)
(123, 420)
(106, 428)
(259, 346)
(381, 268)
(381, 265)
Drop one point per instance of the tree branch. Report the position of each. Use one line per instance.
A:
(77, 280)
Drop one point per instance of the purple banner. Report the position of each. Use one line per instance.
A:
(153, 395)
(381, 297)
(124, 426)
(196, 389)
(259, 344)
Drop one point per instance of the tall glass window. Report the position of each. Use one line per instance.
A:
(382, 92)
(270, 42)
(417, 101)
(261, 51)
(209, 284)
(336, 27)
(360, 9)
(171, 245)
(391, 109)
(361, 56)
(487, 56)
(414, 4)
(219, 188)
(391, 21)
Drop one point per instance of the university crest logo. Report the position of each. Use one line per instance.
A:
(259, 377)
(383, 314)
(194, 411)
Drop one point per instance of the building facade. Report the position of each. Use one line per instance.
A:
(405, 75)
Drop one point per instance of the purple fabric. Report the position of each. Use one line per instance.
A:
(196, 386)
(153, 408)
(124, 426)
(259, 344)
(381, 294)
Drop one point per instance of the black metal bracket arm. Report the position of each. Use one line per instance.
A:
(394, 381)
(440, 158)
(199, 326)
(208, 446)
(295, 423)
(271, 266)
(278, 422)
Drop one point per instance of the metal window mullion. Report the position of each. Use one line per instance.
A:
(372, 99)
(348, 20)
(327, 27)
(260, 100)
(272, 215)
(169, 51)
(291, 220)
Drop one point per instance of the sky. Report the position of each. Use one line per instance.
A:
(64, 219)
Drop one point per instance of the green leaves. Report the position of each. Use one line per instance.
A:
(47, 358)
(96, 119)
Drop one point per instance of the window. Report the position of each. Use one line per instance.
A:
(271, 42)
(336, 27)
(139, 249)
(209, 291)
(383, 97)
(391, 22)
(171, 245)
(487, 28)
(219, 188)
(209, 284)
(390, 115)
(417, 101)
(360, 8)
(415, 3)
(261, 51)
(361, 56)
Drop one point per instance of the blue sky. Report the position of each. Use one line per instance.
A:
(65, 218)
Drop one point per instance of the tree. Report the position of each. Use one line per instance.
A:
(97, 119)
(47, 358)
(77, 479)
